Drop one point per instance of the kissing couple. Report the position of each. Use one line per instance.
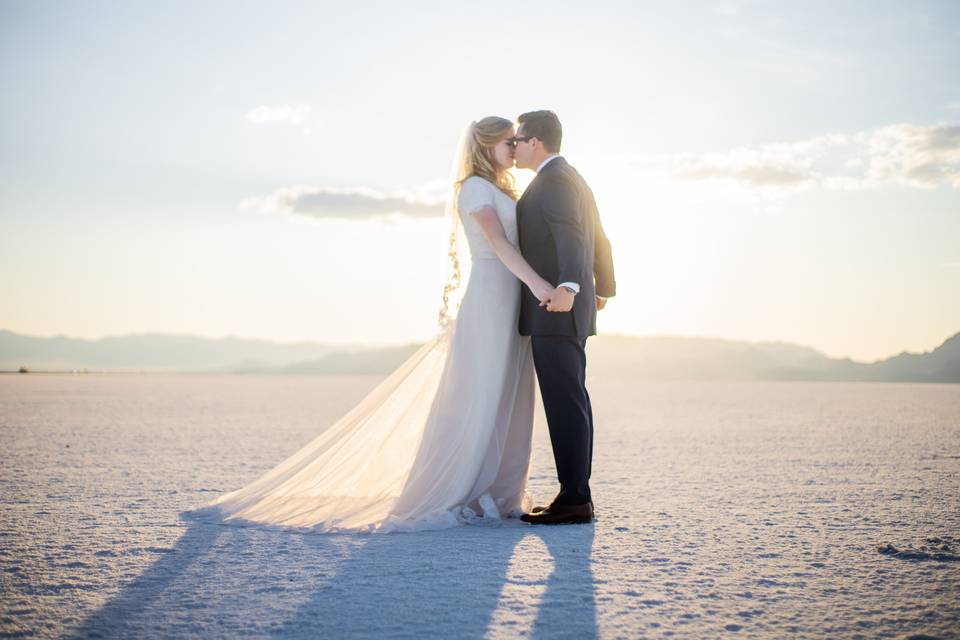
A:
(445, 439)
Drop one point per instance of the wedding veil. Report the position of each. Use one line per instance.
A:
(350, 475)
(458, 263)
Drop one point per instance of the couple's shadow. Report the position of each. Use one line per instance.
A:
(474, 581)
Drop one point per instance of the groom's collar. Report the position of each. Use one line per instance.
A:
(547, 161)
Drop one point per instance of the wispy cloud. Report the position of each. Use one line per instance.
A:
(921, 156)
(292, 114)
(915, 155)
(351, 204)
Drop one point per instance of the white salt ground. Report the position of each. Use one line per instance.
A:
(752, 509)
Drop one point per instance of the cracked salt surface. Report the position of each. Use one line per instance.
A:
(748, 509)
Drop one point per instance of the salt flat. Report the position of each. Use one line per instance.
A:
(739, 509)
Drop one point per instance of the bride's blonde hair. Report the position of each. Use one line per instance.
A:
(477, 155)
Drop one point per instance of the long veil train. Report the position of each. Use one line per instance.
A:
(443, 438)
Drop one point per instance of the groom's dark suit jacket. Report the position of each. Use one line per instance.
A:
(561, 237)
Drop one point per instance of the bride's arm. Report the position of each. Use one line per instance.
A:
(509, 255)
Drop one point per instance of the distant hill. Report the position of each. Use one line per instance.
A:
(659, 357)
(354, 361)
(153, 352)
(668, 357)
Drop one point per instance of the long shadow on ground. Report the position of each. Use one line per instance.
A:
(222, 580)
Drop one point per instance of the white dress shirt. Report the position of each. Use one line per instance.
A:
(573, 285)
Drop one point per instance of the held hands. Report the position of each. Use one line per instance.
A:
(553, 298)
(541, 290)
(559, 299)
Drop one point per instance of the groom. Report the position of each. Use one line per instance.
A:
(561, 237)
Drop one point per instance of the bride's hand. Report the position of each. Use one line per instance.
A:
(542, 290)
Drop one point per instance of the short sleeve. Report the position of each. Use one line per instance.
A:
(475, 193)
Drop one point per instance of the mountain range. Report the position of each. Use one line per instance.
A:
(656, 357)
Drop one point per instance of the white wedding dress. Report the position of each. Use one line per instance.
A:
(441, 441)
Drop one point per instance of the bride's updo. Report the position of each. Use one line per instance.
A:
(483, 135)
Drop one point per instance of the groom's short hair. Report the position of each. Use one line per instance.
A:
(544, 125)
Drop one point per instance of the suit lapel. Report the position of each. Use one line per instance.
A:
(553, 165)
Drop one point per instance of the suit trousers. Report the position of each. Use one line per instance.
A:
(561, 364)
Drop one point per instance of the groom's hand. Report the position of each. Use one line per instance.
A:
(601, 303)
(561, 300)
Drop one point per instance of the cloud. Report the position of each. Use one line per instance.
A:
(350, 204)
(789, 165)
(292, 114)
(915, 155)
(758, 175)
(921, 156)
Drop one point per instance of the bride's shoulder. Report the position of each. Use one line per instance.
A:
(479, 184)
(476, 188)
(478, 181)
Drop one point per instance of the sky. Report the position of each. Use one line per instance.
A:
(765, 171)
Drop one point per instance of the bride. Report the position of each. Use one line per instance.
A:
(446, 437)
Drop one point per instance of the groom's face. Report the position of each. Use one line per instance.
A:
(523, 153)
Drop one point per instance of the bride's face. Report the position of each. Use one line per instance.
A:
(503, 151)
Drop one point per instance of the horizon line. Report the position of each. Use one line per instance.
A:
(387, 345)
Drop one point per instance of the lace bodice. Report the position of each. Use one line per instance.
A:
(476, 193)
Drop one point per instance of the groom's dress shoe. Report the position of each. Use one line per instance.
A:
(539, 508)
(561, 514)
